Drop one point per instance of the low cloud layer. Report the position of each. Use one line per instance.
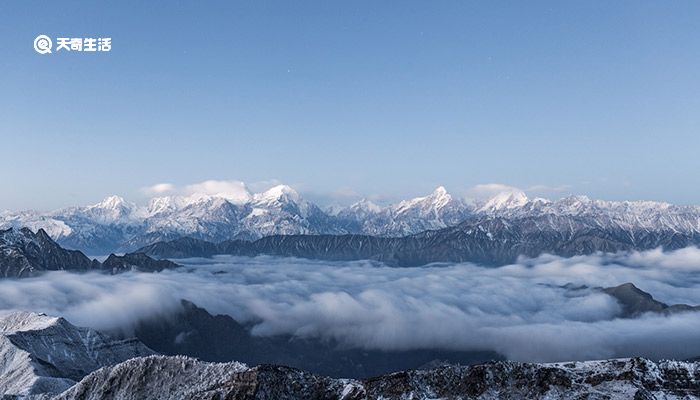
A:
(520, 310)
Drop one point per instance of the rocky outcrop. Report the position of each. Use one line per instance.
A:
(135, 262)
(635, 301)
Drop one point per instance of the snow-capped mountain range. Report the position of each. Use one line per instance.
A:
(115, 224)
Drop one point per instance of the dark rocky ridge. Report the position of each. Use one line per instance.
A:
(489, 241)
(186, 378)
(24, 253)
(135, 262)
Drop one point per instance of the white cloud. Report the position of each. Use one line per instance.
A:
(340, 197)
(486, 191)
(261, 186)
(159, 189)
(548, 189)
(520, 310)
(235, 191)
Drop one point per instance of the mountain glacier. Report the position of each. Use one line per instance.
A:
(118, 225)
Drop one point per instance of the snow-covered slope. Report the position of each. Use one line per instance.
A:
(117, 225)
(42, 354)
(160, 377)
(156, 377)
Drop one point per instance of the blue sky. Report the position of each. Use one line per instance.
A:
(378, 98)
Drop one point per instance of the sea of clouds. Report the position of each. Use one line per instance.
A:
(522, 311)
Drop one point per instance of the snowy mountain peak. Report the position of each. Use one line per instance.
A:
(366, 206)
(21, 321)
(438, 199)
(169, 205)
(279, 193)
(440, 191)
(113, 202)
(110, 210)
(159, 205)
(505, 201)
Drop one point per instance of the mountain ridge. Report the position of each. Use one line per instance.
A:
(191, 379)
(24, 253)
(489, 240)
(116, 225)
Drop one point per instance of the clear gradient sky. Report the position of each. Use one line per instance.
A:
(391, 98)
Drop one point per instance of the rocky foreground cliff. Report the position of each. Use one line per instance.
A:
(160, 377)
(40, 354)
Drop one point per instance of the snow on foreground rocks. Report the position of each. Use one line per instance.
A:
(43, 354)
(161, 377)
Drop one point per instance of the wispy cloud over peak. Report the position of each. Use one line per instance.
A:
(231, 190)
(159, 189)
(234, 191)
